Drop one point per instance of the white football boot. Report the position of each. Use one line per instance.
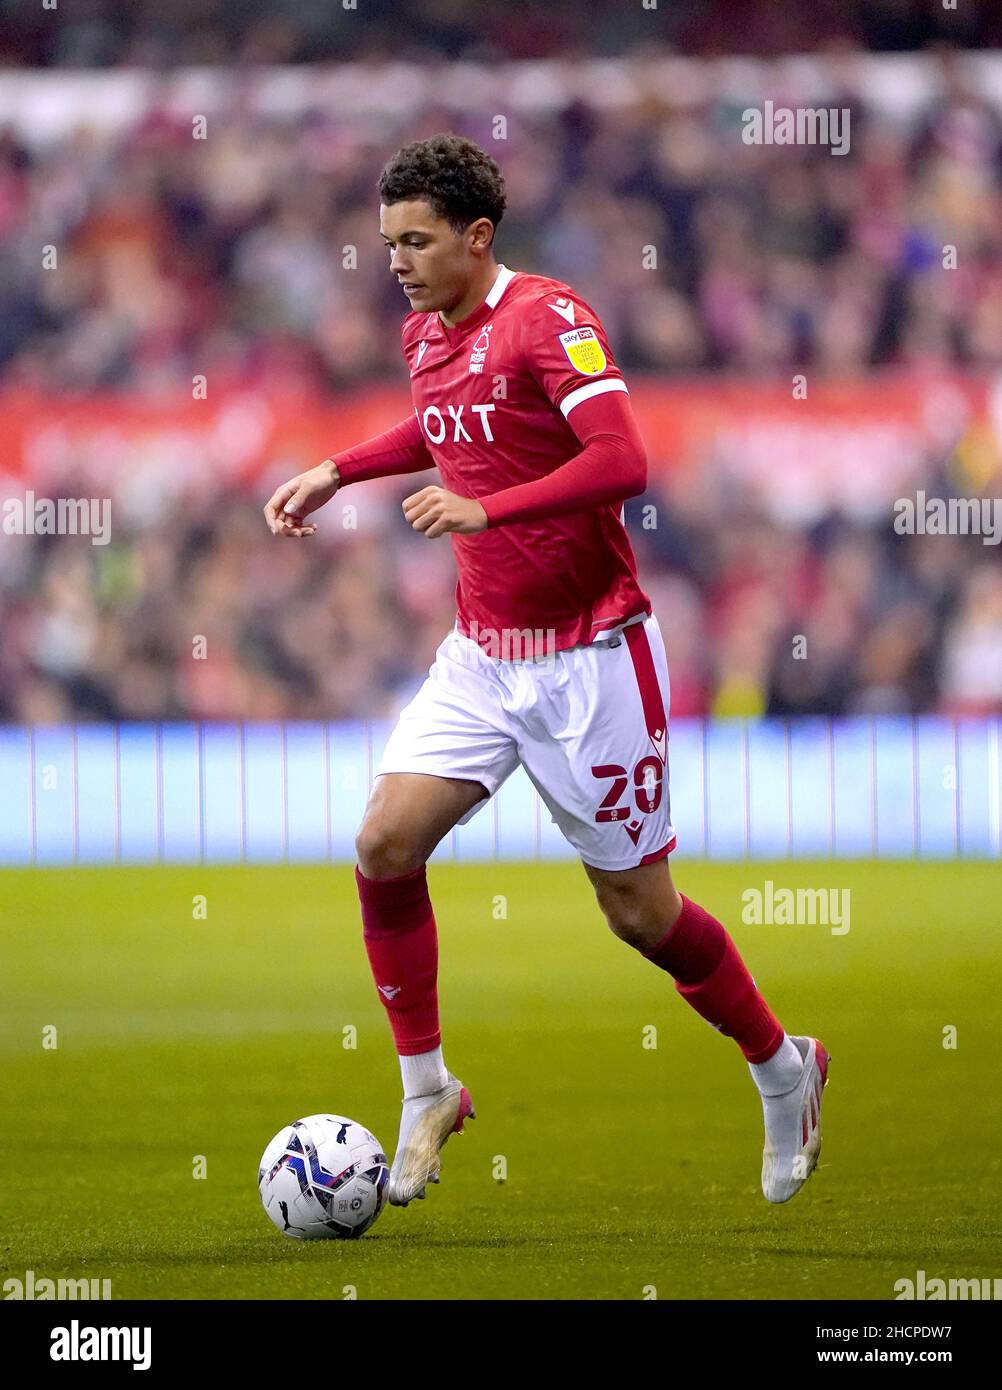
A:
(425, 1125)
(793, 1126)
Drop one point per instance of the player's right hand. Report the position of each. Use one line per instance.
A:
(290, 505)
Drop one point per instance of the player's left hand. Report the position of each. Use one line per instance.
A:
(435, 511)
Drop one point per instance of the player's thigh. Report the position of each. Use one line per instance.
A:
(407, 814)
(640, 904)
(450, 750)
(596, 749)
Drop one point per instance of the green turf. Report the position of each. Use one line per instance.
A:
(626, 1167)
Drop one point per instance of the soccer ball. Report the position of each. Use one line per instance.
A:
(323, 1178)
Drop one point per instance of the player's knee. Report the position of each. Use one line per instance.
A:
(383, 850)
(633, 917)
(626, 914)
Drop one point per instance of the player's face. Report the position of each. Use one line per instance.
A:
(428, 257)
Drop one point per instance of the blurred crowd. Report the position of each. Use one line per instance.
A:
(254, 254)
(163, 33)
(226, 257)
(202, 614)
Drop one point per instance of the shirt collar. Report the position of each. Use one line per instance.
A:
(502, 280)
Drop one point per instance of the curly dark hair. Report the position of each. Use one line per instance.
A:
(456, 177)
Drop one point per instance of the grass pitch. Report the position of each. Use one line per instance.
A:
(630, 1171)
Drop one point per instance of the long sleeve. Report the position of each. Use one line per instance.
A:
(611, 466)
(401, 449)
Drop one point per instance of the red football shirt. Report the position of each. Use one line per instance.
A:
(493, 396)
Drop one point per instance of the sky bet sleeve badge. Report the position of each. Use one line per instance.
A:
(584, 351)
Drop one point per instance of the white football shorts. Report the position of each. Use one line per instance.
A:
(589, 725)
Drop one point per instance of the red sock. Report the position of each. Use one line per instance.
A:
(711, 976)
(398, 927)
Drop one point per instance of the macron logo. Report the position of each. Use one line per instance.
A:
(389, 991)
(565, 309)
(420, 353)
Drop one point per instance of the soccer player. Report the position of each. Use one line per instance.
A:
(556, 661)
